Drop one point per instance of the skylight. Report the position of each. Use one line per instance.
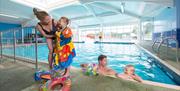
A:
(6, 15)
(46, 5)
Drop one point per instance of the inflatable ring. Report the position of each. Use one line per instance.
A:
(57, 81)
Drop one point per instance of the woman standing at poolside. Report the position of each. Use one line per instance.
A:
(47, 28)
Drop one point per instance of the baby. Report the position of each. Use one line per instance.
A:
(62, 26)
(64, 49)
(129, 74)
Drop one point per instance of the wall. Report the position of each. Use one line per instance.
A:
(165, 24)
(6, 26)
(177, 4)
(165, 21)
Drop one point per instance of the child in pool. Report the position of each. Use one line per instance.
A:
(129, 74)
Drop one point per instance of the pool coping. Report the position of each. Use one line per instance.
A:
(152, 83)
(164, 65)
(176, 87)
(98, 42)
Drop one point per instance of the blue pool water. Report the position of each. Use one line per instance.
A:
(119, 55)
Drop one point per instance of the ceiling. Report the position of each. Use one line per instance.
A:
(82, 12)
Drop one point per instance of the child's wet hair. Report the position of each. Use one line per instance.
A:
(128, 66)
(66, 19)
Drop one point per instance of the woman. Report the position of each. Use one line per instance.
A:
(47, 28)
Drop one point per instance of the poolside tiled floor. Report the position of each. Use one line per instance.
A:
(19, 77)
(168, 56)
(15, 76)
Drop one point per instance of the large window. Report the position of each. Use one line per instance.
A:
(120, 32)
(113, 33)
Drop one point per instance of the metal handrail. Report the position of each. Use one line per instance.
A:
(13, 38)
(177, 50)
(154, 44)
(36, 51)
(1, 45)
(156, 41)
(162, 41)
(167, 41)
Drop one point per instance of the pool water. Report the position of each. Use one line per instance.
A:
(118, 55)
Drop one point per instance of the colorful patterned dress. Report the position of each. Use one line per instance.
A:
(64, 51)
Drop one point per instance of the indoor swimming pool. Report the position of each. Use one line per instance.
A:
(118, 55)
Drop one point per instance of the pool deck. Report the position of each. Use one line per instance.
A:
(18, 76)
(168, 57)
(14, 76)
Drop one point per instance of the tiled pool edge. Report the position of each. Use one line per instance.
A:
(98, 42)
(146, 82)
(164, 85)
(164, 66)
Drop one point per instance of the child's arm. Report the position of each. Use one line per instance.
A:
(67, 33)
(137, 78)
(122, 76)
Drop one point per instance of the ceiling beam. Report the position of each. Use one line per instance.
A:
(81, 17)
(27, 22)
(155, 12)
(98, 15)
(92, 25)
(91, 11)
(14, 13)
(115, 9)
(86, 1)
(58, 5)
(30, 4)
(142, 7)
(162, 2)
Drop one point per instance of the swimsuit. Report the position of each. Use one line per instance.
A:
(52, 32)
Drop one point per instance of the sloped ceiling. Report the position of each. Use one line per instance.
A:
(82, 12)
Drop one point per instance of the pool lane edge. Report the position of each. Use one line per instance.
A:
(172, 71)
(164, 85)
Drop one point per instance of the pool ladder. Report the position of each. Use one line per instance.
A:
(162, 40)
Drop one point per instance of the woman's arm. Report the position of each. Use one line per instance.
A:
(43, 33)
